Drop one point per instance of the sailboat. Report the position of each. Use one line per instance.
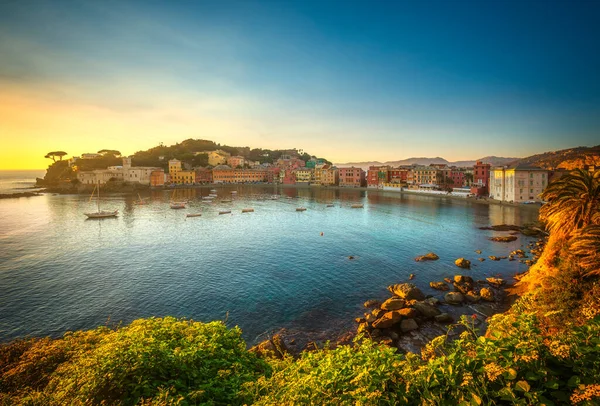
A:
(175, 204)
(100, 214)
(140, 201)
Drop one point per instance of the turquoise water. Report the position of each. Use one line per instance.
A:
(262, 271)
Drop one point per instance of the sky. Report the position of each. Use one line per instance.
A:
(344, 80)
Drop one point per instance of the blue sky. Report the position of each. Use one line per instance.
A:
(348, 80)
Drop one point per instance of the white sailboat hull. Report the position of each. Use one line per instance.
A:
(102, 214)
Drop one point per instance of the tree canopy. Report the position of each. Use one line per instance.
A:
(55, 154)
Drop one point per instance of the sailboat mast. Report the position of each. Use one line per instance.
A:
(98, 196)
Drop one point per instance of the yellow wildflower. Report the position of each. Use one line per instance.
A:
(557, 349)
(467, 379)
(585, 392)
(493, 371)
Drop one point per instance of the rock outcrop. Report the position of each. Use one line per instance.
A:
(407, 291)
(427, 257)
(463, 263)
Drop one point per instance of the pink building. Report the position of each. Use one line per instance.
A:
(235, 161)
(289, 177)
(481, 178)
(351, 177)
(458, 178)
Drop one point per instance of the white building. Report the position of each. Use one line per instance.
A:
(518, 184)
(127, 173)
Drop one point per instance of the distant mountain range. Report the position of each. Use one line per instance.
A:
(567, 159)
(492, 160)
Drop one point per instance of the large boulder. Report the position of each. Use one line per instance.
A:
(443, 318)
(487, 294)
(463, 279)
(407, 325)
(495, 281)
(393, 303)
(439, 285)
(472, 297)
(371, 303)
(463, 263)
(427, 257)
(454, 298)
(388, 319)
(494, 258)
(463, 283)
(406, 291)
(408, 313)
(426, 310)
(377, 312)
(273, 347)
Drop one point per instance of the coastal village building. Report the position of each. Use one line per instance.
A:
(426, 176)
(180, 176)
(226, 174)
(517, 184)
(377, 176)
(217, 157)
(352, 177)
(89, 155)
(329, 175)
(399, 175)
(481, 177)
(235, 161)
(203, 175)
(126, 173)
(157, 178)
(287, 176)
(304, 176)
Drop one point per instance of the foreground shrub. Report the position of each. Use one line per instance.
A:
(515, 364)
(153, 361)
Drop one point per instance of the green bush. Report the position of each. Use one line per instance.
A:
(154, 361)
(515, 365)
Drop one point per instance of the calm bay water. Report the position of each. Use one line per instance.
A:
(262, 271)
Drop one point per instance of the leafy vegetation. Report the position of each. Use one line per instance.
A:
(151, 361)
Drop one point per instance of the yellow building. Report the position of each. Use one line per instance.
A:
(174, 167)
(217, 157)
(304, 175)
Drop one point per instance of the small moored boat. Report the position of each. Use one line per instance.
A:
(100, 214)
(226, 201)
(357, 206)
(177, 205)
(249, 210)
(330, 205)
(300, 208)
(224, 212)
(207, 197)
(193, 215)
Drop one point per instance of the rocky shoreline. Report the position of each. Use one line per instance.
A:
(18, 195)
(408, 320)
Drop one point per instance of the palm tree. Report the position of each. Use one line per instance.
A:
(586, 245)
(573, 202)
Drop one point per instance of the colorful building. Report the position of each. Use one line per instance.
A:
(203, 175)
(481, 175)
(304, 175)
(351, 177)
(329, 175)
(226, 174)
(217, 157)
(157, 178)
(517, 184)
(377, 176)
(235, 161)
